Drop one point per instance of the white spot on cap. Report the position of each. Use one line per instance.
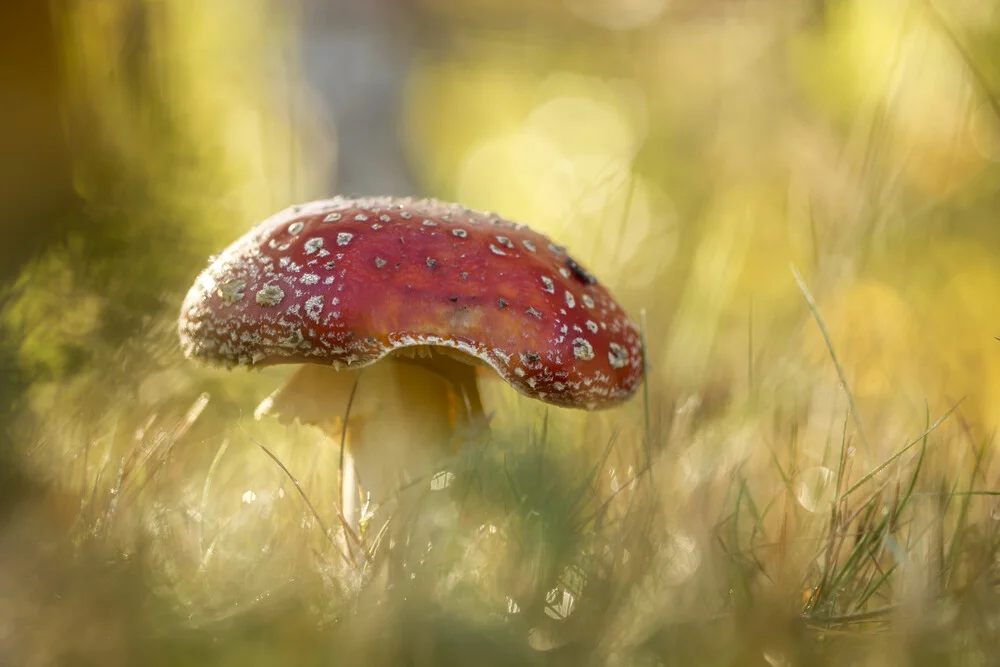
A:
(385, 218)
(570, 301)
(231, 291)
(529, 245)
(497, 251)
(343, 238)
(505, 242)
(406, 215)
(309, 279)
(379, 262)
(618, 356)
(312, 245)
(333, 217)
(361, 217)
(314, 306)
(592, 325)
(588, 301)
(548, 285)
(270, 295)
(565, 272)
(296, 227)
(429, 223)
(582, 349)
(460, 233)
(534, 313)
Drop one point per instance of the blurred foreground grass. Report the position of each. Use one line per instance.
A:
(690, 153)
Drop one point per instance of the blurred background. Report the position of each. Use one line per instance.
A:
(807, 477)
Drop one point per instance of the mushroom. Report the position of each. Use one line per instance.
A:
(401, 300)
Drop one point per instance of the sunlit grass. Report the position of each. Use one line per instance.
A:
(535, 544)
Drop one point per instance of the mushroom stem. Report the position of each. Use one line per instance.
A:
(349, 488)
(401, 424)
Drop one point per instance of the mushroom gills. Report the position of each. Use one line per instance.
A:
(402, 423)
(461, 370)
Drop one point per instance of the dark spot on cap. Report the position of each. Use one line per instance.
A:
(580, 272)
(503, 303)
(453, 299)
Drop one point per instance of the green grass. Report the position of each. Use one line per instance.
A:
(743, 542)
(535, 557)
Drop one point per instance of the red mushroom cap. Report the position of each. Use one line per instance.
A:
(348, 281)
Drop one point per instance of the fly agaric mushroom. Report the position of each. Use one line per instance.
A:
(427, 289)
